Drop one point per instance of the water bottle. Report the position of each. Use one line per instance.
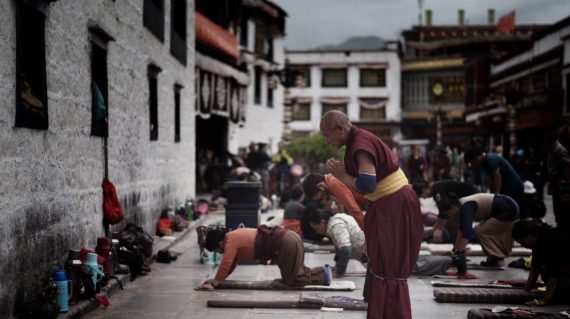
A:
(64, 289)
(274, 202)
(189, 209)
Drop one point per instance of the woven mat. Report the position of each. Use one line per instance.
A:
(516, 314)
(285, 301)
(472, 250)
(323, 249)
(497, 284)
(276, 285)
(482, 295)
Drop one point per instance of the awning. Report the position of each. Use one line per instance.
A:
(334, 100)
(373, 66)
(472, 117)
(215, 36)
(212, 65)
(373, 102)
(333, 65)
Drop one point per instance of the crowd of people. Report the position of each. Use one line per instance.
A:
(367, 200)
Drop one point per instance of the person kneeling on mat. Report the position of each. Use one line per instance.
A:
(267, 245)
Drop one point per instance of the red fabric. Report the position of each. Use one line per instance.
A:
(164, 223)
(112, 210)
(293, 225)
(394, 231)
(506, 23)
(347, 197)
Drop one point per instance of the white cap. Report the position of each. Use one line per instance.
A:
(529, 187)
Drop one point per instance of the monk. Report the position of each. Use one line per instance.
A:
(393, 222)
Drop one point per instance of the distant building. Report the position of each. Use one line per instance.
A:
(528, 93)
(364, 84)
(238, 48)
(446, 69)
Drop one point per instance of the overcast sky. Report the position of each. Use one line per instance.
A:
(313, 23)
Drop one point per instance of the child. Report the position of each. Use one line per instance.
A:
(294, 210)
(317, 186)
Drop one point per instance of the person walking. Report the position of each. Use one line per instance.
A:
(393, 216)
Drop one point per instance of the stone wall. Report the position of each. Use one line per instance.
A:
(50, 194)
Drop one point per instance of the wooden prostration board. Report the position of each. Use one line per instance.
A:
(472, 250)
(275, 285)
(285, 301)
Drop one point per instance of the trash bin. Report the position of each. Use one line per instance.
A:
(242, 209)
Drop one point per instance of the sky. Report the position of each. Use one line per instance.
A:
(312, 23)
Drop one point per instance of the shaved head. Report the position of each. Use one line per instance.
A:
(333, 119)
(335, 127)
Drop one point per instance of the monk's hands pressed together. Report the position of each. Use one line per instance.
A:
(336, 168)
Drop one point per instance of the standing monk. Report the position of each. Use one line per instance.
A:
(393, 222)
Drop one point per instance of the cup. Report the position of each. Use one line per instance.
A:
(64, 289)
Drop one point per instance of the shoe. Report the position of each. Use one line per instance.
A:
(459, 260)
(165, 257)
(328, 274)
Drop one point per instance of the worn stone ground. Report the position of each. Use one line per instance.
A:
(168, 291)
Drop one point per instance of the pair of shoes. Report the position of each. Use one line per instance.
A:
(328, 274)
(165, 257)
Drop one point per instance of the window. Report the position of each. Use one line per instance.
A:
(329, 107)
(373, 77)
(269, 97)
(257, 85)
(177, 89)
(334, 78)
(178, 30)
(153, 72)
(305, 73)
(567, 90)
(99, 86)
(31, 88)
(153, 17)
(301, 112)
(260, 39)
(243, 31)
(372, 114)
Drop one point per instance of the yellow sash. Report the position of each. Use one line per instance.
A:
(389, 185)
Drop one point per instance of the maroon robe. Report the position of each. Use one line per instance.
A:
(393, 230)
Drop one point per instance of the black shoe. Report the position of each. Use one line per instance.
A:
(165, 257)
(459, 260)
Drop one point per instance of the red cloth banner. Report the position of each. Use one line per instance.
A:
(506, 23)
(215, 36)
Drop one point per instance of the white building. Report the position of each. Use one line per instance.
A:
(365, 84)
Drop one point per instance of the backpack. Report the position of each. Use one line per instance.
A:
(112, 210)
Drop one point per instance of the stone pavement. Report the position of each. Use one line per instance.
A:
(168, 291)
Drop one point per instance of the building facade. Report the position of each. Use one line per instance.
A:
(446, 69)
(364, 84)
(91, 90)
(528, 93)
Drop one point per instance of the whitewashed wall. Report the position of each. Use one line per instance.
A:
(353, 90)
(50, 195)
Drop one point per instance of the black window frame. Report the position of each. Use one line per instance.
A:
(364, 70)
(270, 102)
(324, 75)
(243, 32)
(99, 40)
(177, 89)
(153, 72)
(178, 47)
(31, 82)
(257, 72)
(325, 107)
(362, 118)
(153, 17)
(305, 72)
(299, 106)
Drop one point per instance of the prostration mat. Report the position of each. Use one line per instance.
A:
(339, 285)
(497, 284)
(319, 249)
(286, 301)
(472, 250)
(483, 295)
(515, 313)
